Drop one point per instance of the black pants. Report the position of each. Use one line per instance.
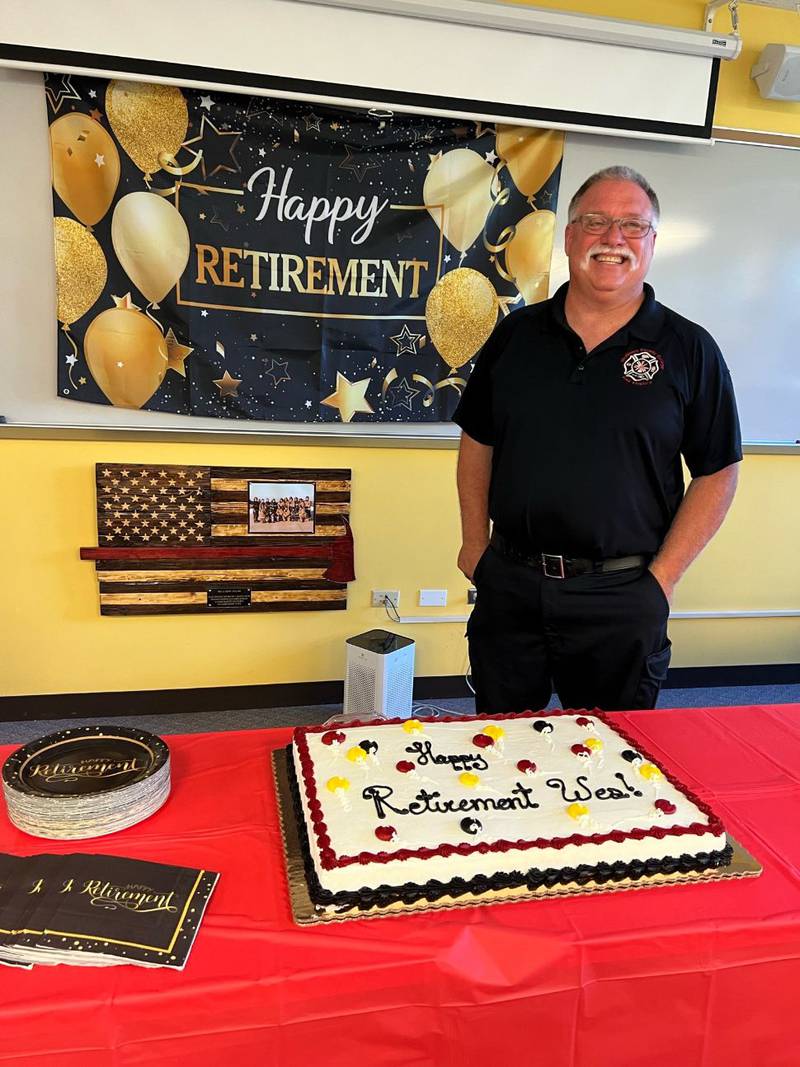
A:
(599, 639)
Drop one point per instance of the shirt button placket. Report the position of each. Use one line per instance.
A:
(579, 367)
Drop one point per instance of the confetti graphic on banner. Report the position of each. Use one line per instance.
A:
(283, 260)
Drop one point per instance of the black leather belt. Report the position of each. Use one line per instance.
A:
(554, 566)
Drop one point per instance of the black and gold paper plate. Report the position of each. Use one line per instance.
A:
(86, 782)
(89, 759)
(304, 911)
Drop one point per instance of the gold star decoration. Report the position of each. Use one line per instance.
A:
(58, 88)
(312, 122)
(176, 353)
(125, 302)
(406, 341)
(433, 158)
(401, 395)
(219, 134)
(480, 130)
(95, 114)
(349, 398)
(358, 167)
(227, 385)
(278, 371)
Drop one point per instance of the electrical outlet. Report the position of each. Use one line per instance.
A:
(472, 594)
(432, 598)
(381, 595)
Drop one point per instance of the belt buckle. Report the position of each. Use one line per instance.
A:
(553, 566)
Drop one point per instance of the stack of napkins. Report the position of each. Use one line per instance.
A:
(99, 910)
(86, 782)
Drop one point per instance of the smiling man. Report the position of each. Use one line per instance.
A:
(574, 422)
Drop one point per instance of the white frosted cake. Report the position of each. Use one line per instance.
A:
(419, 809)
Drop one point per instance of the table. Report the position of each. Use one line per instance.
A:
(684, 976)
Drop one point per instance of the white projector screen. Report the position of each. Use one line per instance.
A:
(308, 51)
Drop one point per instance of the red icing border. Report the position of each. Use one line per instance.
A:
(329, 859)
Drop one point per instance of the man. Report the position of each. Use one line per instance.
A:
(573, 423)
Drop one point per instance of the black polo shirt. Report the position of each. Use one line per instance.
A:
(587, 448)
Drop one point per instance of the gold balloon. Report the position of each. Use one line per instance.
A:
(528, 255)
(461, 181)
(148, 120)
(85, 166)
(81, 270)
(127, 356)
(461, 312)
(532, 155)
(151, 241)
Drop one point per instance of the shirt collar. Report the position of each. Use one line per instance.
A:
(645, 326)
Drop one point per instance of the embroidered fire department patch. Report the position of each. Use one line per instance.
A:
(641, 367)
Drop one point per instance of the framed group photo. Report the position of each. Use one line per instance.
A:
(280, 507)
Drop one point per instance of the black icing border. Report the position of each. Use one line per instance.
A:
(534, 878)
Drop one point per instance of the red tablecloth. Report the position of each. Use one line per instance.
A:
(687, 976)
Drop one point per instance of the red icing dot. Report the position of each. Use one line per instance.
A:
(404, 766)
(583, 721)
(385, 833)
(666, 806)
(526, 766)
(482, 741)
(581, 750)
(333, 737)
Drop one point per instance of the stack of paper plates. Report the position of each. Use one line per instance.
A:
(86, 782)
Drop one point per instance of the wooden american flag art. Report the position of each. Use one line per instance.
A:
(178, 539)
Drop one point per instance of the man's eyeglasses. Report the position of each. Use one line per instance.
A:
(600, 224)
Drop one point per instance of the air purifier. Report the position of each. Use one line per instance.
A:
(379, 680)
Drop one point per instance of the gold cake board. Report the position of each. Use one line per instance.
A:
(304, 912)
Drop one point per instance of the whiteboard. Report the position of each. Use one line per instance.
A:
(727, 256)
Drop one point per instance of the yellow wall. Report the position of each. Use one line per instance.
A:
(53, 640)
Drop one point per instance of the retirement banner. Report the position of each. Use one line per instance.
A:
(259, 259)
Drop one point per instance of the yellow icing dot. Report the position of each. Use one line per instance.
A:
(593, 742)
(649, 770)
(495, 732)
(468, 779)
(576, 810)
(337, 783)
(356, 754)
(413, 726)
